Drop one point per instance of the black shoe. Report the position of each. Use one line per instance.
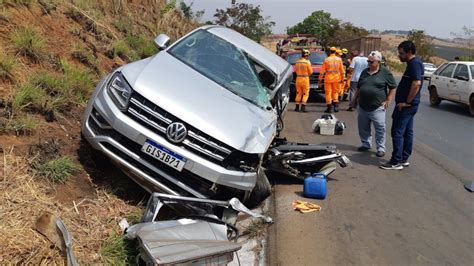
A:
(380, 154)
(362, 148)
(336, 107)
(350, 109)
(303, 108)
(297, 108)
(390, 166)
(405, 163)
(329, 109)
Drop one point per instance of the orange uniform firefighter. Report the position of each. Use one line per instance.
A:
(348, 73)
(333, 72)
(303, 71)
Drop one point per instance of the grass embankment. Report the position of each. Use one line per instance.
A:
(52, 53)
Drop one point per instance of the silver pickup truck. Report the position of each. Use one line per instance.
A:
(196, 119)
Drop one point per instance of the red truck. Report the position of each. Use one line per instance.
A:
(290, 49)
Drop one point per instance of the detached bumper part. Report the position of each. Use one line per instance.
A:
(297, 159)
(201, 238)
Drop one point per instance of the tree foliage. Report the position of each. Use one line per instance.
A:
(330, 31)
(466, 37)
(320, 24)
(423, 44)
(246, 19)
(188, 11)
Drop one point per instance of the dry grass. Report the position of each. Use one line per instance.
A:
(90, 221)
(59, 84)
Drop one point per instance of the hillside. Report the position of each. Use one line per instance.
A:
(444, 50)
(52, 53)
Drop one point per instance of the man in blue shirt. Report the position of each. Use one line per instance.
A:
(407, 99)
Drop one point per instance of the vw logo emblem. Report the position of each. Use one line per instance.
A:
(176, 132)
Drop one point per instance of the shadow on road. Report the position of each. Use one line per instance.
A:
(455, 108)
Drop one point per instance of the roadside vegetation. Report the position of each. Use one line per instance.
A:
(52, 54)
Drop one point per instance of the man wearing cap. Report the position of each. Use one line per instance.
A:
(333, 72)
(375, 91)
(303, 71)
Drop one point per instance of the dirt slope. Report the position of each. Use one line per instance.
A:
(52, 53)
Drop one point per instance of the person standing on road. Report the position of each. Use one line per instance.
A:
(407, 99)
(375, 91)
(333, 72)
(303, 71)
(346, 62)
(358, 64)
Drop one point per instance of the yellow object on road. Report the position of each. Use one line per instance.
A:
(305, 207)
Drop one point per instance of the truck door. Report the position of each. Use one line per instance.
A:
(460, 86)
(443, 81)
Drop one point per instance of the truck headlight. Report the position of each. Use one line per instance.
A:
(119, 90)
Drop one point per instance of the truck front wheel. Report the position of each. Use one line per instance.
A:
(260, 192)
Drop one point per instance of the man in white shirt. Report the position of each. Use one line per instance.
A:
(359, 64)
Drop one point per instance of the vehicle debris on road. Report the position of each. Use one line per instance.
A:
(205, 233)
(328, 124)
(55, 230)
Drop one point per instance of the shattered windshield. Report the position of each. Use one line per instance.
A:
(223, 63)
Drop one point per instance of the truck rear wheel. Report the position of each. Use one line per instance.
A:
(260, 192)
(434, 98)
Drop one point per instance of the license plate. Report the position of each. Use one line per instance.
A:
(313, 86)
(164, 155)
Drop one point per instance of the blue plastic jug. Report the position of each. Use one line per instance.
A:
(315, 186)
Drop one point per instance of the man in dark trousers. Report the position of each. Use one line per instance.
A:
(407, 99)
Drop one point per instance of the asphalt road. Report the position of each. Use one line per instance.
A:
(448, 129)
(421, 215)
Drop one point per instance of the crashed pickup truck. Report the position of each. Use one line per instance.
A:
(196, 119)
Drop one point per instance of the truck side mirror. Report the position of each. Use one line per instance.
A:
(162, 41)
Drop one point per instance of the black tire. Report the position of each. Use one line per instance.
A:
(434, 98)
(471, 105)
(260, 192)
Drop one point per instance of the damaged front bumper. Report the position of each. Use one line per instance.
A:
(300, 159)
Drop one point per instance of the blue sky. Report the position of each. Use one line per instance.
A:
(436, 17)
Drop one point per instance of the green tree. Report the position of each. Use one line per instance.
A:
(188, 11)
(246, 19)
(424, 47)
(466, 37)
(320, 24)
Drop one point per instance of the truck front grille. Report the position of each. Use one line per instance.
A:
(157, 119)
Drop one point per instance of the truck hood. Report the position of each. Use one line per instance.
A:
(202, 103)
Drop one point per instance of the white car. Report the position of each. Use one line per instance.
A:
(429, 70)
(453, 82)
